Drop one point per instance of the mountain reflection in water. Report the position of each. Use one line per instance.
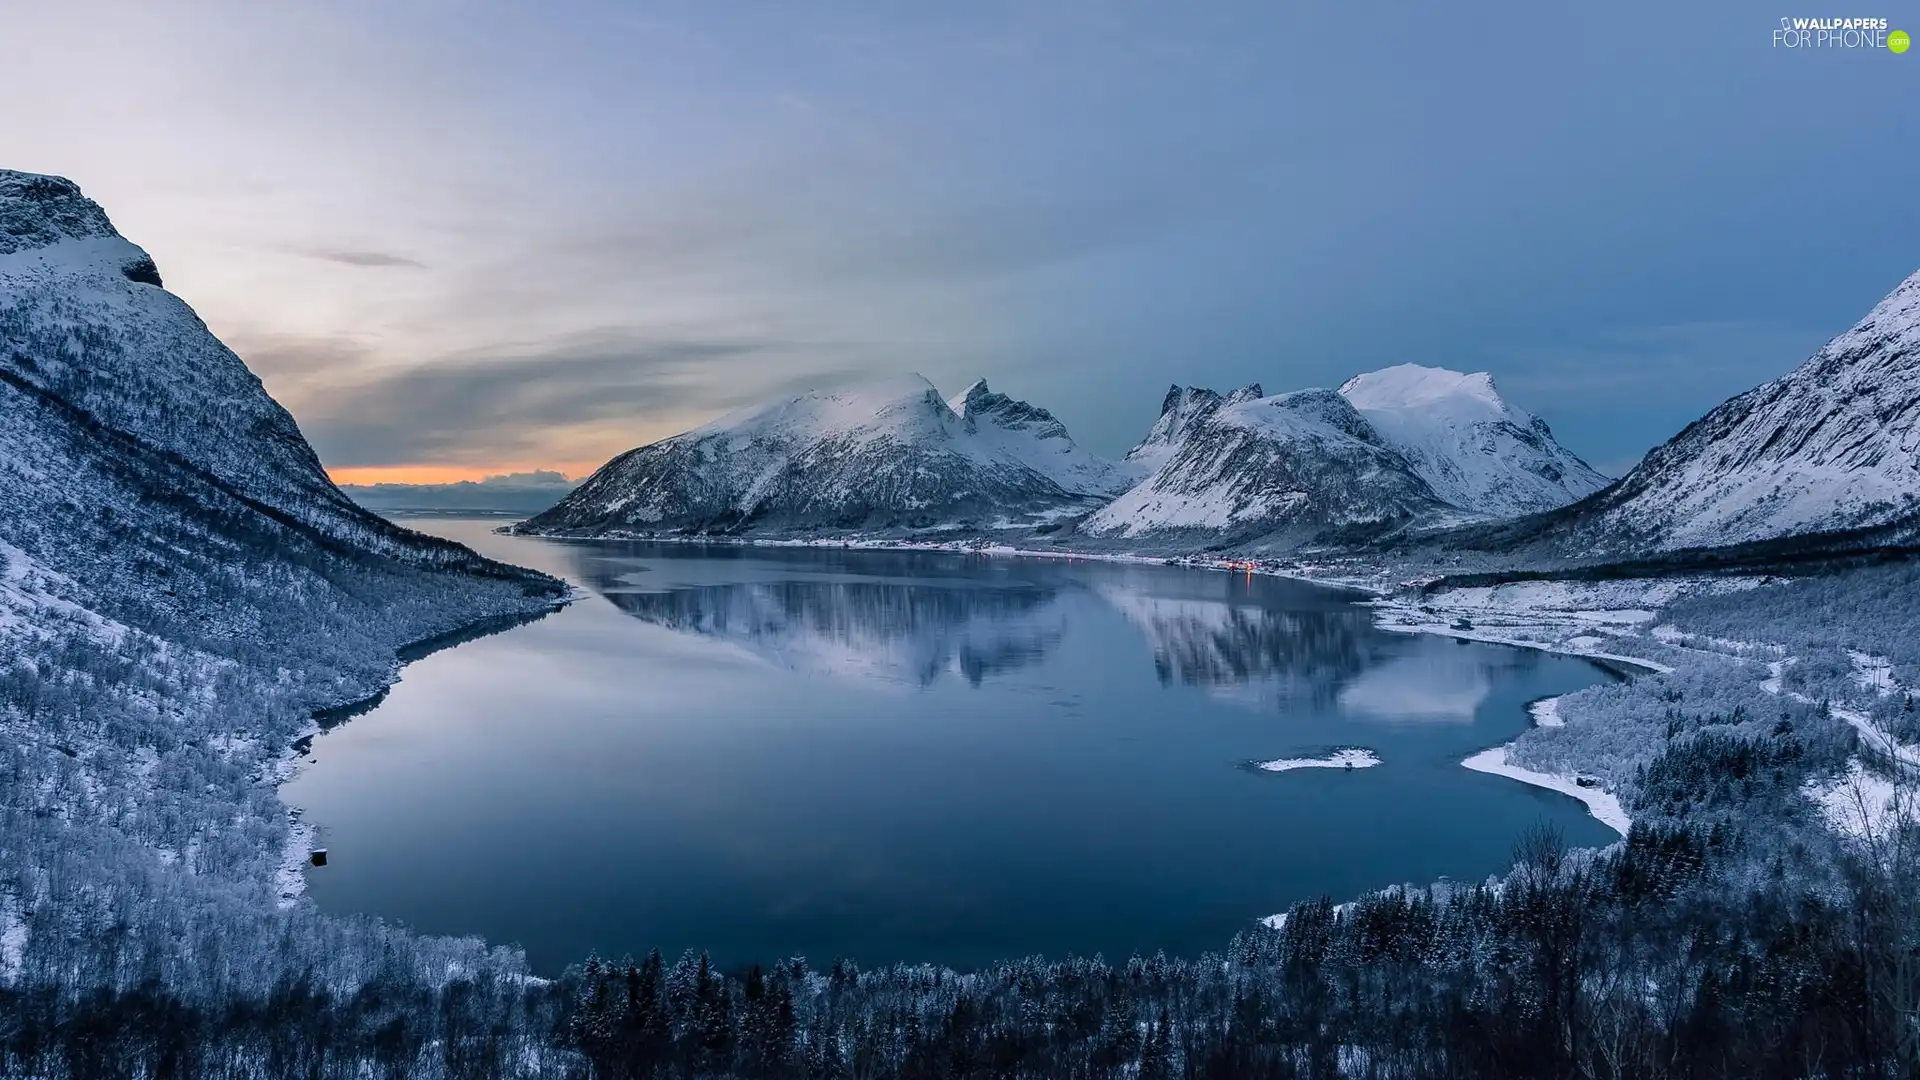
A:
(916, 617)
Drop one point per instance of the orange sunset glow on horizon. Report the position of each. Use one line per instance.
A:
(446, 474)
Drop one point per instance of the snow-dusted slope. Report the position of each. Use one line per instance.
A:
(887, 455)
(1833, 445)
(180, 589)
(1291, 468)
(86, 324)
(1184, 408)
(1475, 450)
(1015, 431)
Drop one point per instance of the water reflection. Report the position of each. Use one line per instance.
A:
(864, 628)
(1246, 652)
(915, 617)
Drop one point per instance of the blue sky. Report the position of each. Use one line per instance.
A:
(470, 237)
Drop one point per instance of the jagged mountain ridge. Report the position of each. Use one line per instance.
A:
(1832, 447)
(1180, 411)
(888, 455)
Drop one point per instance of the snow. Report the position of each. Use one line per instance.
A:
(13, 945)
(1862, 804)
(1180, 410)
(1903, 755)
(1350, 758)
(1874, 673)
(1475, 450)
(1405, 443)
(1602, 804)
(1447, 395)
(1302, 461)
(145, 472)
(1546, 712)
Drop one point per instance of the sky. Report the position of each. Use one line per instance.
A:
(459, 239)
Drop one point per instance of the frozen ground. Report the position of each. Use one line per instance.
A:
(1862, 804)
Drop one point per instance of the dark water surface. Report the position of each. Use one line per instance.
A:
(766, 752)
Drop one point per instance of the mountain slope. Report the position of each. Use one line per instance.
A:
(1832, 446)
(85, 323)
(885, 456)
(180, 589)
(1288, 469)
(1475, 450)
(1183, 409)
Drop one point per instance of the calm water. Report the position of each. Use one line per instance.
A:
(769, 752)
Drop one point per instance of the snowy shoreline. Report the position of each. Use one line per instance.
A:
(1602, 804)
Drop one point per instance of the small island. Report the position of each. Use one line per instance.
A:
(1352, 757)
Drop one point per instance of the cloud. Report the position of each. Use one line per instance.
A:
(371, 259)
(578, 397)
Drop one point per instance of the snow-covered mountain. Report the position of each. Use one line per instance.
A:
(1408, 445)
(1832, 446)
(1476, 451)
(91, 337)
(1292, 468)
(883, 456)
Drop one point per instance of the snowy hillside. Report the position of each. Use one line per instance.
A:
(1833, 445)
(1475, 450)
(180, 588)
(89, 330)
(888, 455)
(1291, 468)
